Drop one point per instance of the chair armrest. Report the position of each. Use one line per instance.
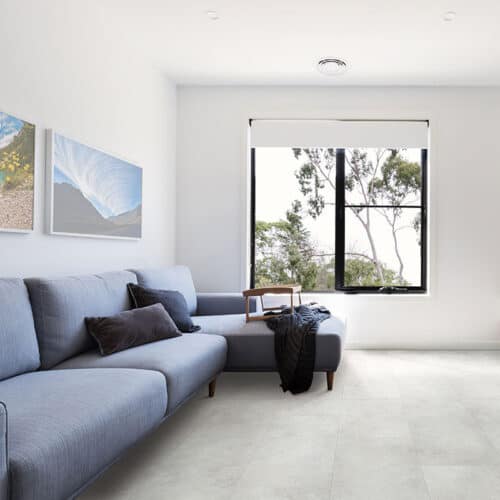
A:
(4, 466)
(211, 304)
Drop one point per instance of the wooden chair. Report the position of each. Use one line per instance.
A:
(290, 290)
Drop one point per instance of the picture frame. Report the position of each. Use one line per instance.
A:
(91, 193)
(17, 173)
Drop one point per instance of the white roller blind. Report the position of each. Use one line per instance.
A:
(339, 133)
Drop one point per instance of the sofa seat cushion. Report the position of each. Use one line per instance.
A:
(60, 306)
(187, 362)
(64, 427)
(251, 345)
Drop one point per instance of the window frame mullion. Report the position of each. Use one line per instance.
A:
(339, 218)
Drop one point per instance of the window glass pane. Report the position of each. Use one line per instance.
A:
(382, 247)
(383, 176)
(295, 217)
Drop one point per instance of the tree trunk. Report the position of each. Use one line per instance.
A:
(373, 248)
(374, 253)
(398, 255)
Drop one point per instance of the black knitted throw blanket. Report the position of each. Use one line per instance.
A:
(295, 344)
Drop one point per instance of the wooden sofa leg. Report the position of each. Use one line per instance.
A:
(211, 388)
(329, 379)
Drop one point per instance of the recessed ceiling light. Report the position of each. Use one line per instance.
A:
(212, 15)
(332, 66)
(449, 16)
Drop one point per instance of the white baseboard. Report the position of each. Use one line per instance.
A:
(425, 346)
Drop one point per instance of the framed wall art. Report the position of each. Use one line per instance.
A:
(91, 193)
(17, 165)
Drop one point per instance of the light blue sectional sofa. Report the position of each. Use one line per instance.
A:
(67, 413)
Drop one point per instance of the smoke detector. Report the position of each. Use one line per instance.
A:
(213, 15)
(449, 16)
(332, 66)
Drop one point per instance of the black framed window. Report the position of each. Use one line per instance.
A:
(353, 219)
(381, 220)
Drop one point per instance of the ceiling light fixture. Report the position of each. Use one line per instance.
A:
(212, 15)
(449, 16)
(332, 66)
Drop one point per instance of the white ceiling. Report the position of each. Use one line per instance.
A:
(385, 42)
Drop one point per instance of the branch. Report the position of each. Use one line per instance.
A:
(359, 254)
(325, 176)
(403, 227)
(356, 173)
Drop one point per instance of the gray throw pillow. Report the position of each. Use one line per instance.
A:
(173, 302)
(131, 328)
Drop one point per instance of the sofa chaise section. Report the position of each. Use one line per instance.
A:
(251, 345)
(187, 363)
(65, 427)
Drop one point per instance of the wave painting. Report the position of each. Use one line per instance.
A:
(17, 159)
(94, 193)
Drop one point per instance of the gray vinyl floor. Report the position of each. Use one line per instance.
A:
(400, 425)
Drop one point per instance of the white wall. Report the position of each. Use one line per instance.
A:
(462, 309)
(68, 70)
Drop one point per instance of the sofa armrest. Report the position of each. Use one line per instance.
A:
(211, 304)
(4, 467)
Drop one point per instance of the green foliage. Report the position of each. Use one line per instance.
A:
(325, 279)
(17, 160)
(316, 173)
(284, 252)
(362, 272)
(360, 175)
(399, 179)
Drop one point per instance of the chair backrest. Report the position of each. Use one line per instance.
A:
(18, 344)
(170, 278)
(60, 306)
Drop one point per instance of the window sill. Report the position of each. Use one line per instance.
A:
(375, 295)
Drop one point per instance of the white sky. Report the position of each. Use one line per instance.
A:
(277, 187)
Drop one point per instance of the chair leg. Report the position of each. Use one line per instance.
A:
(329, 379)
(211, 388)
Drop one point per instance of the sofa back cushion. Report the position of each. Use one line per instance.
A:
(170, 278)
(60, 306)
(18, 344)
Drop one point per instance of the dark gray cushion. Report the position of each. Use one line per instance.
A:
(187, 362)
(251, 345)
(18, 343)
(170, 278)
(60, 306)
(131, 328)
(66, 426)
(173, 302)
